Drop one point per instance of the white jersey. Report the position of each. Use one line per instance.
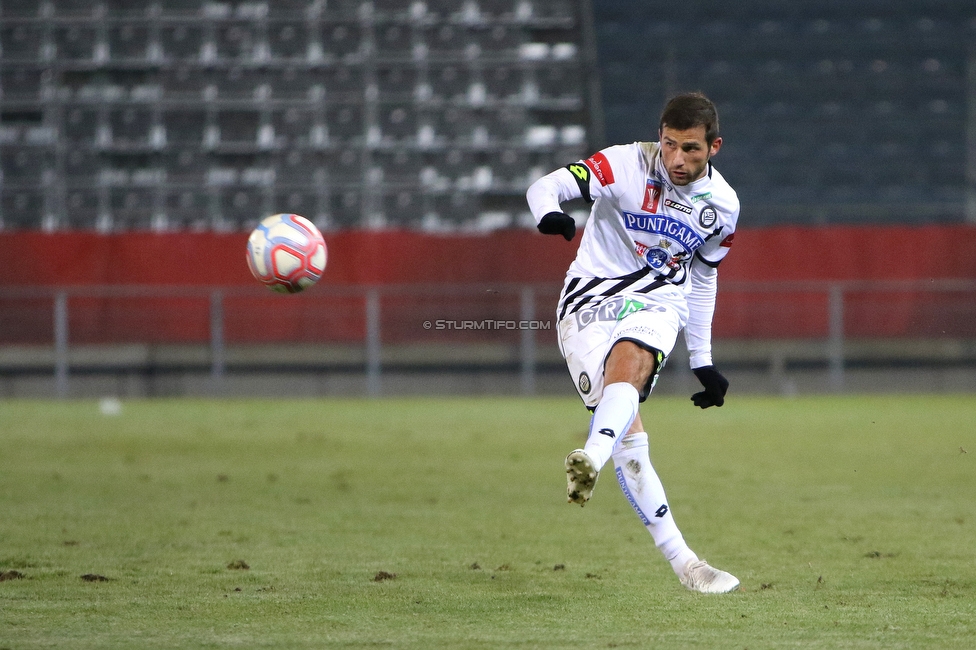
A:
(644, 233)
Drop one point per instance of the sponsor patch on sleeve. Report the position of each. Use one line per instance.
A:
(582, 175)
(600, 167)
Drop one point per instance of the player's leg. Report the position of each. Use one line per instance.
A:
(643, 489)
(627, 372)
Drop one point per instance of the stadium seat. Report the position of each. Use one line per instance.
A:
(24, 165)
(81, 164)
(401, 167)
(559, 82)
(76, 42)
(288, 40)
(298, 200)
(402, 206)
(185, 83)
(442, 10)
(238, 126)
(290, 9)
(131, 208)
(234, 83)
(293, 127)
(128, 41)
(345, 206)
(22, 42)
(445, 42)
(184, 126)
(398, 122)
(83, 206)
(504, 11)
(345, 123)
(448, 83)
(393, 41)
(340, 82)
(498, 41)
(511, 166)
(72, 9)
(396, 82)
(345, 167)
(185, 209)
(181, 42)
(21, 208)
(560, 10)
(20, 85)
(237, 40)
(340, 39)
(448, 211)
(131, 126)
(238, 204)
(502, 83)
(301, 168)
(186, 166)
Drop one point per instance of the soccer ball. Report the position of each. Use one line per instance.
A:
(286, 252)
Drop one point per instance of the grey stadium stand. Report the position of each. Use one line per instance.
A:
(161, 114)
(389, 112)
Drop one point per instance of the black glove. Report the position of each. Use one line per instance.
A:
(558, 223)
(715, 386)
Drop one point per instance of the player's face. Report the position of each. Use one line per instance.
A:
(686, 153)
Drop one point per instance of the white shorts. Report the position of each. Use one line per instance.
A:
(586, 337)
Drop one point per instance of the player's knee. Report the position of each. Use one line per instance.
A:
(631, 363)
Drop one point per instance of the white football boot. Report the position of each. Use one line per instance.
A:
(700, 576)
(581, 475)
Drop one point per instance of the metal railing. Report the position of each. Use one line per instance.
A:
(375, 319)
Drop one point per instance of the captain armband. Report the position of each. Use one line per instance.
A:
(582, 175)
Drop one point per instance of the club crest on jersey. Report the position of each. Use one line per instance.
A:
(652, 195)
(707, 217)
(657, 258)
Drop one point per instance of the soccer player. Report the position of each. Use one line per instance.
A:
(662, 219)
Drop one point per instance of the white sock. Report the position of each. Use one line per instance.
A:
(611, 420)
(644, 491)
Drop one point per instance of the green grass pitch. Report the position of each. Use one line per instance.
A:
(442, 523)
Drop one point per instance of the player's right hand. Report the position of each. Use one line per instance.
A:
(558, 223)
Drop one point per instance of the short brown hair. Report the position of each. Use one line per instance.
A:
(688, 110)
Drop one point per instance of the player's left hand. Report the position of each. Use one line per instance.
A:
(715, 387)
